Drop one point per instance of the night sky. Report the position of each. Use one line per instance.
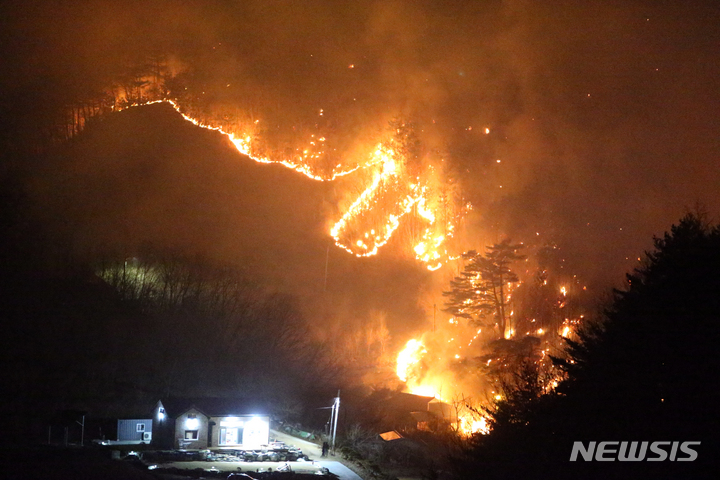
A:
(602, 118)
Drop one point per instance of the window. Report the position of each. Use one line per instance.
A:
(230, 436)
(192, 422)
(191, 434)
(140, 427)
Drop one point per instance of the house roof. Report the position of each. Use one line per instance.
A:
(408, 402)
(213, 406)
(391, 435)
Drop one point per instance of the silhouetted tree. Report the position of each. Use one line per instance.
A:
(481, 290)
(647, 371)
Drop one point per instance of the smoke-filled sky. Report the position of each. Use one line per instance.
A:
(602, 116)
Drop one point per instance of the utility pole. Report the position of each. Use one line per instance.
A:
(327, 258)
(336, 409)
(82, 431)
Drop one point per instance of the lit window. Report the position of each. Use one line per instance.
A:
(191, 434)
(192, 422)
(140, 427)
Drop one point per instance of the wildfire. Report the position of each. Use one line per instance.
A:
(370, 221)
(409, 357)
(408, 361)
(431, 370)
(465, 420)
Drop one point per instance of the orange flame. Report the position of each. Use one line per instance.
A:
(465, 420)
(399, 196)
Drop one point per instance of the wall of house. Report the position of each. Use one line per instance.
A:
(163, 428)
(133, 429)
(248, 431)
(191, 430)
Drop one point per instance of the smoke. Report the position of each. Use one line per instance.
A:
(589, 127)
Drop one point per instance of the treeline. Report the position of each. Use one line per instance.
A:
(646, 370)
(52, 109)
(232, 334)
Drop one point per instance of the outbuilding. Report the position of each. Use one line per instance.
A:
(134, 430)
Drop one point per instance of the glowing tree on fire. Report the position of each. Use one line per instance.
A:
(481, 293)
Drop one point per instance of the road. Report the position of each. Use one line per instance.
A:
(313, 451)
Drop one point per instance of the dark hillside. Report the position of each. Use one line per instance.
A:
(146, 178)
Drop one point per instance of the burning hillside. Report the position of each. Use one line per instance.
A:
(495, 324)
(397, 189)
(483, 340)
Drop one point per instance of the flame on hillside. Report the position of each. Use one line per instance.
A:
(397, 189)
(458, 413)
(371, 219)
(459, 358)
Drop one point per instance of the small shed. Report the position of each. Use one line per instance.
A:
(134, 430)
(443, 410)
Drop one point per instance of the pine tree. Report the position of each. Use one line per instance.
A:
(480, 292)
